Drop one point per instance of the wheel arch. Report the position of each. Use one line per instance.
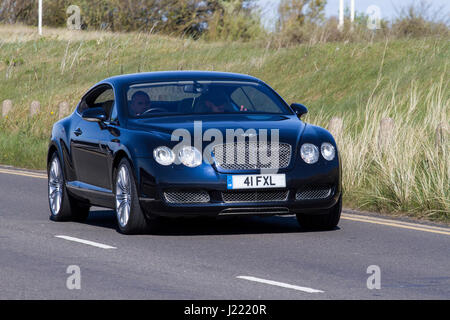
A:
(118, 156)
(51, 149)
(54, 148)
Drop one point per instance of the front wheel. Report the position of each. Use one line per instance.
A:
(326, 221)
(130, 217)
(62, 206)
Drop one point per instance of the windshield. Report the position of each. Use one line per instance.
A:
(202, 97)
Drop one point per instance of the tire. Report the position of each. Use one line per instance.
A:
(327, 221)
(62, 206)
(129, 214)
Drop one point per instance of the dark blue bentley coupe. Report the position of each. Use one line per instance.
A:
(191, 143)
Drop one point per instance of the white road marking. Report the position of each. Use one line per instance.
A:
(281, 284)
(91, 243)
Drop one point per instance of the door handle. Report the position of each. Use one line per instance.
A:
(78, 132)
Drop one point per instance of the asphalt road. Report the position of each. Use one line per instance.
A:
(227, 258)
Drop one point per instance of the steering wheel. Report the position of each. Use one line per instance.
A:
(154, 109)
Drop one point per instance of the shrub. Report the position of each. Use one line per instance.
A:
(418, 21)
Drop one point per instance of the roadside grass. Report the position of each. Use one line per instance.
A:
(406, 80)
(411, 173)
(22, 150)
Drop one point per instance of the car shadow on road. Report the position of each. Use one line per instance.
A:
(207, 225)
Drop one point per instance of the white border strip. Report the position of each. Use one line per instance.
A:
(91, 243)
(280, 284)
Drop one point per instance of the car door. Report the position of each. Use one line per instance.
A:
(110, 139)
(87, 141)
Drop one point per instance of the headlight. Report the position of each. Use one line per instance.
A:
(164, 155)
(190, 156)
(309, 153)
(328, 151)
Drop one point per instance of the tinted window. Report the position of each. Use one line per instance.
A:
(191, 97)
(102, 96)
(105, 96)
(254, 99)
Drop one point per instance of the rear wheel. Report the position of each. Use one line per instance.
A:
(130, 217)
(327, 221)
(62, 206)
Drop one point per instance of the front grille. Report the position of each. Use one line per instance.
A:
(186, 196)
(313, 193)
(252, 155)
(254, 196)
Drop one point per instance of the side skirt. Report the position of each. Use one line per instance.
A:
(96, 196)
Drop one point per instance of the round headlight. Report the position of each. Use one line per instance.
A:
(309, 153)
(164, 155)
(328, 151)
(190, 156)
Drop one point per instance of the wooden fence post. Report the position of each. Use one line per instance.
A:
(441, 135)
(335, 126)
(34, 108)
(63, 109)
(386, 133)
(6, 107)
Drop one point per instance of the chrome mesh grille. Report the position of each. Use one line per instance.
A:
(313, 193)
(252, 155)
(186, 196)
(254, 196)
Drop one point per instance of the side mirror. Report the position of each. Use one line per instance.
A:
(299, 109)
(94, 115)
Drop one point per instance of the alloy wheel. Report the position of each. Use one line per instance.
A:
(123, 196)
(55, 186)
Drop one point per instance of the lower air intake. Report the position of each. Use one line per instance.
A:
(186, 196)
(313, 193)
(254, 196)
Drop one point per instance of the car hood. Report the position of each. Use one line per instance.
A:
(289, 127)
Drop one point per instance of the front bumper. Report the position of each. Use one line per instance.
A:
(163, 208)
(153, 185)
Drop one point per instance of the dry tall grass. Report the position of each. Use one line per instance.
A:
(412, 172)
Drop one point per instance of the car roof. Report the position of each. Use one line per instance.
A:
(177, 76)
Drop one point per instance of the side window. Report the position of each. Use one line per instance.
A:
(105, 100)
(82, 106)
(105, 96)
(102, 96)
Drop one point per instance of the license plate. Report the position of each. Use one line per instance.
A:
(256, 181)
